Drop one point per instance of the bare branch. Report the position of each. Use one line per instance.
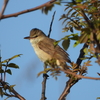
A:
(79, 61)
(68, 86)
(1, 76)
(80, 76)
(51, 24)
(71, 82)
(45, 76)
(3, 8)
(28, 10)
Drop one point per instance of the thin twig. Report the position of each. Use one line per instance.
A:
(87, 19)
(79, 60)
(3, 8)
(79, 76)
(5, 85)
(79, 27)
(1, 77)
(51, 24)
(5, 71)
(28, 10)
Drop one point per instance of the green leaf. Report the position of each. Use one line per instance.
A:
(48, 69)
(12, 65)
(47, 8)
(56, 43)
(42, 72)
(84, 58)
(57, 2)
(98, 36)
(11, 86)
(62, 16)
(86, 51)
(7, 60)
(75, 37)
(3, 64)
(9, 71)
(73, 14)
(71, 29)
(76, 43)
(66, 44)
(69, 12)
(1, 71)
(79, 0)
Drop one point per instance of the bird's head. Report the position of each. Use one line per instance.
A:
(36, 35)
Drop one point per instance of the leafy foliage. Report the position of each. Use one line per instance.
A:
(5, 88)
(83, 16)
(5, 64)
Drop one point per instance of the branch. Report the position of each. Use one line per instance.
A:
(28, 10)
(3, 8)
(68, 86)
(45, 76)
(1, 75)
(43, 97)
(71, 82)
(79, 27)
(87, 20)
(51, 24)
(5, 85)
(79, 61)
(79, 76)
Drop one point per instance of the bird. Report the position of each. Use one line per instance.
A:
(46, 50)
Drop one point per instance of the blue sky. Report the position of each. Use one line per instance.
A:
(12, 32)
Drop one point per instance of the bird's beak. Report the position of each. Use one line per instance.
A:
(27, 37)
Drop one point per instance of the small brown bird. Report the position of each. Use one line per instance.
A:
(45, 49)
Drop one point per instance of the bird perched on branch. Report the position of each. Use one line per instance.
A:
(46, 50)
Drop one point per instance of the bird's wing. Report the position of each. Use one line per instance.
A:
(56, 52)
(47, 46)
(62, 55)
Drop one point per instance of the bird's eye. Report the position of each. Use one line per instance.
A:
(35, 36)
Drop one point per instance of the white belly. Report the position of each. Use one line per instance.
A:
(41, 54)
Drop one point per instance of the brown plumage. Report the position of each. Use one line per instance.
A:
(45, 49)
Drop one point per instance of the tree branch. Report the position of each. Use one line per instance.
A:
(68, 86)
(45, 76)
(79, 60)
(6, 86)
(87, 20)
(79, 76)
(3, 8)
(28, 10)
(51, 24)
(73, 80)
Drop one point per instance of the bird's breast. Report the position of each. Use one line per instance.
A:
(43, 56)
